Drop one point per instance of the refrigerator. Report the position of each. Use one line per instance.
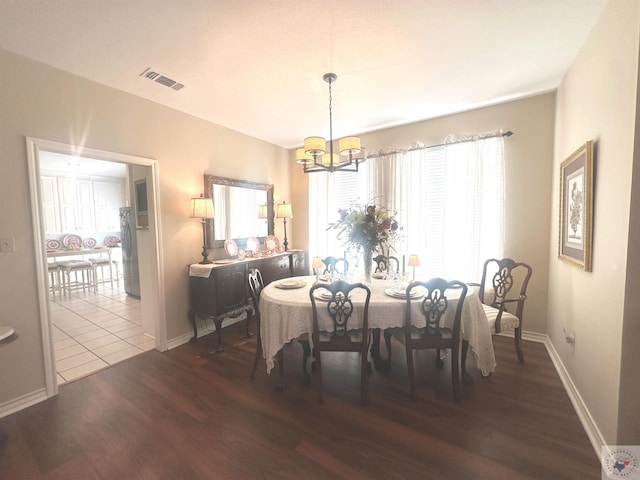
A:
(129, 245)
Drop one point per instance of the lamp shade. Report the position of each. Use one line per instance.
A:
(349, 145)
(414, 261)
(316, 263)
(284, 211)
(303, 157)
(326, 158)
(263, 212)
(315, 145)
(202, 208)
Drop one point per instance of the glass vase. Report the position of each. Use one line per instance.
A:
(367, 258)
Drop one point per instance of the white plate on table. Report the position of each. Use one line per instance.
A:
(377, 275)
(402, 293)
(324, 295)
(290, 284)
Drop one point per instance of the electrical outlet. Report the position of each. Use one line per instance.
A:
(7, 245)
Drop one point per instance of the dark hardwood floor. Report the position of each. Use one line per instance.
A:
(191, 414)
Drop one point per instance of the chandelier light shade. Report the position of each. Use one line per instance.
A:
(203, 208)
(318, 155)
(263, 212)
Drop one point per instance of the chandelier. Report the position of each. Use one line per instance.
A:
(314, 156)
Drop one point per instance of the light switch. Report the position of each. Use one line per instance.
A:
(7, 244)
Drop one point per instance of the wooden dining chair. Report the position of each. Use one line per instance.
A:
(426, 329)
(335, 265)
(386, 264)
(348, 330)
(503, 291)
(256, 284)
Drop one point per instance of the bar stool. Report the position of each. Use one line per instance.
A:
(55, 280)
(86, 280)
(101, 263)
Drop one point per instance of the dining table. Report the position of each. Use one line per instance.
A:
(286, 314)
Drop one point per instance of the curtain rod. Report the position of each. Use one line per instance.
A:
(508, 133)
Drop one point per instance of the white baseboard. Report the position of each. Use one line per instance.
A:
(587, 421)
(23, 402)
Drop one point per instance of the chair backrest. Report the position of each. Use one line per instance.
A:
(340, 309)
(384, 264)
(504, 280)
(435, 305)
(254, 278)
(335, 265)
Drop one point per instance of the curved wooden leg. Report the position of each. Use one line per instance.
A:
(192, 317)
(218, 323)
(258, 349)
(249, 312)
(439, 361)
(280, 357)
(466, 378)
(455, 371)
(306, 353)
(387, 344)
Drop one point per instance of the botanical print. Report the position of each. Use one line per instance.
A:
(575, 209)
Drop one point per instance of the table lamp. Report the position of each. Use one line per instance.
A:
(203, 208)
(414, 262)
(317, 264)
(284, 211)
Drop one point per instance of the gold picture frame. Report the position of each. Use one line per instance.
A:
(576, 208)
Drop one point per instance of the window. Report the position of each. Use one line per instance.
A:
(449, 202)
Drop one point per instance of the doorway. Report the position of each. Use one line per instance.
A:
(152, 316)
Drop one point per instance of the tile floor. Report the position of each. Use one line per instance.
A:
(92, 330)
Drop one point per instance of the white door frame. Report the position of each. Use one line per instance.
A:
(157, 296)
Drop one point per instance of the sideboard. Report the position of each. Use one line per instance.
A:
(219, 290)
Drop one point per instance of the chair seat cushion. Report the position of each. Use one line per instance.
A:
(354, 335)
(101, 261)
(508, 320)
(417, 333)
(75, 265)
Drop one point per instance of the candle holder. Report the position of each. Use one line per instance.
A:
(414, 262)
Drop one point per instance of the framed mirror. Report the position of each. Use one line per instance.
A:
(236, 204)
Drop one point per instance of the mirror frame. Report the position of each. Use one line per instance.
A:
(211, 180)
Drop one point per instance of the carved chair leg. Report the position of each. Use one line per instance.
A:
(365, 366)
(455, 372)
(387, 344)
(280, 357)
(306, 353)
(518, 339)
(258, 350)
(318, 369)
(466, 378)
(219, 347)
(249, 333)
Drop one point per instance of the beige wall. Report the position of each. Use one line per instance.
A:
(529, 157)
(41, 102)
(597, 101)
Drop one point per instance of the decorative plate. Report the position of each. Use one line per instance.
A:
(290, 284)
(89, 242)
(401, 293)
(271, 242)
(111, 241)
(231, 247)
(72, 241)
(324, 295)
(253, 244)
(52, 244)
(377, 275)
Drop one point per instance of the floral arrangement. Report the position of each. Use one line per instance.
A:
(366, 227)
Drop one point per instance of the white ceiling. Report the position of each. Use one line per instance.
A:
(256, 66)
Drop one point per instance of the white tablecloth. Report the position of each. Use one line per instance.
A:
(286, 314)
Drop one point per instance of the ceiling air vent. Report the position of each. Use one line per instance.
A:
(161, 79)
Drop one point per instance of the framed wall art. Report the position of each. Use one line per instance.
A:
(576, 208)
